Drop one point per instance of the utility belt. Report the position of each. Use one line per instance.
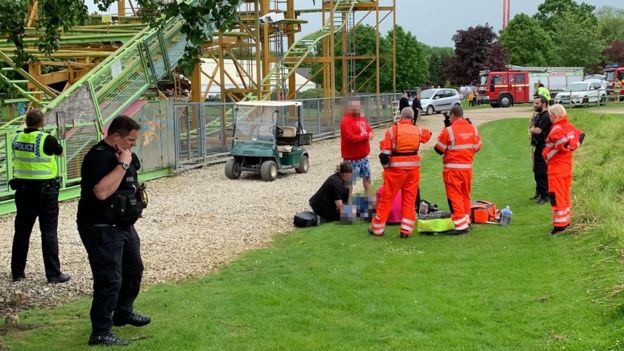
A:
(126, 206)
(35, 184)
(413, 153)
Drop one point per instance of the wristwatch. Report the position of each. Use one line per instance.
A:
(124, 165)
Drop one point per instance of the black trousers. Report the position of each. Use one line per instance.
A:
(32, 201)
(115, 260)
(540, 172)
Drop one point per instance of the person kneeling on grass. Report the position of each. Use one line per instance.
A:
(328, 202)
(562, 140)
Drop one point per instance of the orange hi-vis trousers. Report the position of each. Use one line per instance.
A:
(458, 184)
(395, 179)
(559, 184)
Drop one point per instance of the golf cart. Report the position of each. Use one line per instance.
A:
(268, 137)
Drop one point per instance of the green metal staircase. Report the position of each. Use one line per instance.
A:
(303, 47)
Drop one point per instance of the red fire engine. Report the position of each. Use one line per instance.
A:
(615, 77)
(519, 84)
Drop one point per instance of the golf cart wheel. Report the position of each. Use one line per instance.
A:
(304, 165)
(268, 171)
(232, 169)
(430, 110)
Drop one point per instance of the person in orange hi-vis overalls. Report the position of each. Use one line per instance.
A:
(458, 143)
(399, 157)
(562, 140)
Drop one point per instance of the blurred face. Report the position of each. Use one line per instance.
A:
(354, 107)
(347, 177)
(127, 142)
(537, 105)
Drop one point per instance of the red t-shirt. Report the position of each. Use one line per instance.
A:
(354, 137)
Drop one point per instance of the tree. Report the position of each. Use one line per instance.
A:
(610, 24)
(527, 43)
(576, 40)
(614, 53)
(473, 50)
(498, 57)
(553, 9)
(438, 57)
(412, 70)
(201, 19)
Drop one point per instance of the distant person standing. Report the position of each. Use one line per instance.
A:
(543, 91)
(539, 132)
(562, 140)
(404, 101)
(36, 186)
(355, 136)
(416, 106)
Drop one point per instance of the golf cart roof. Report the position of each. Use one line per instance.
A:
(269, 103)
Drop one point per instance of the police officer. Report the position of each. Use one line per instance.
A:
(543, 91)
(36, 195)
(109, 206)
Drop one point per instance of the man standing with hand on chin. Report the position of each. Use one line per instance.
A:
(111, 202)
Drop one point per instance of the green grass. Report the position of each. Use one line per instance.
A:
(337, 288)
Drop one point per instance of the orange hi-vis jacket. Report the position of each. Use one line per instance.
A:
(459, 143)
(562, 140)
(402, 142)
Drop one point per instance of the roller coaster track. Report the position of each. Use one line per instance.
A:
(303, 47)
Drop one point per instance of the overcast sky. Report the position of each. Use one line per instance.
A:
(434, 22)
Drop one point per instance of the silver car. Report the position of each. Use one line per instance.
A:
(439, 100)
(583, 93)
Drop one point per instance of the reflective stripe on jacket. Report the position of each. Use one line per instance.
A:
(459, 143)
(402, 142)
(29, 159)
(561, 141)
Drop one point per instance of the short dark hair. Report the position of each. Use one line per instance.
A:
(123, 125)
(345, 168)
(541, 85)
(34, 118)
(457, 111)
(541, 98)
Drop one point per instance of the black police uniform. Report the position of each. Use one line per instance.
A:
(540, 168)
(37, 198)
(323, 202)
(112, 243)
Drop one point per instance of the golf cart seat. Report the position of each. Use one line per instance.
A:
(288, 138)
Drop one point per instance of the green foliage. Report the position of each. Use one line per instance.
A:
(337, 288)
(437, 60)
(201, 19)
(528, 44)
(412, 65)
(553, 9)
(610, 24)
(576, 40)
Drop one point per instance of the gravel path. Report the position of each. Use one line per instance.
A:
(196, 222)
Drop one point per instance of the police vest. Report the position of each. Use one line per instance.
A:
(544, 92)
(29, 159)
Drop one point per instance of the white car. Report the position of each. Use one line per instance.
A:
(583, 94)
(439, 100)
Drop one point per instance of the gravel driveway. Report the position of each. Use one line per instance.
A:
(196, 222)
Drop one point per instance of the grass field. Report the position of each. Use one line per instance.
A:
(336, 288)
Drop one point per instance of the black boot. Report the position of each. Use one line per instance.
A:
(108, 339)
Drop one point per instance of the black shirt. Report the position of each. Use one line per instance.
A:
(97, 164)
(416, 104)
(324, 201)
(403, 103)
(543, 122)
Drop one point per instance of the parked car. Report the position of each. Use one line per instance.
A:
(583, 93)
(439, 100)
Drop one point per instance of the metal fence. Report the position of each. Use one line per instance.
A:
(177, 136)
(203, 130)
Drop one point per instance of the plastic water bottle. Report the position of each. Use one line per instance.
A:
(505, 216)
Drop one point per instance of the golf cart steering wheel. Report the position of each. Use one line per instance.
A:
(278, 131)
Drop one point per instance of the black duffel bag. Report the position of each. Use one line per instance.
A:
(306, 219)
